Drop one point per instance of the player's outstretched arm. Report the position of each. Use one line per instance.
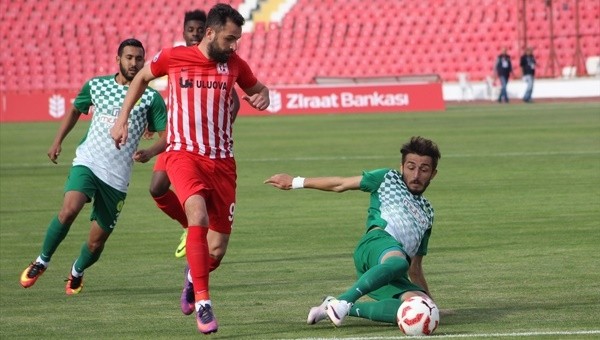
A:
(335, 184)
(257, 96)
(65, 127)
(137, 87)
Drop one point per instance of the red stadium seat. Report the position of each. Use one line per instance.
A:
(329, 37)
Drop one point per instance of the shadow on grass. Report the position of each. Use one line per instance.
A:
(494, 313)
(354, 326)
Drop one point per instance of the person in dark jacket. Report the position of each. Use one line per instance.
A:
(503, 71)
(528, 67)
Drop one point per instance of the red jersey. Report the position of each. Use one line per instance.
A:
(199, 100)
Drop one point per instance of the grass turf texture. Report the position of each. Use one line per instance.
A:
(514, 247)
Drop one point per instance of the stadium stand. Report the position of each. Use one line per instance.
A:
(60, 44)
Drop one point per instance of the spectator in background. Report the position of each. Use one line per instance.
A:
(528, 67)
(503, 70)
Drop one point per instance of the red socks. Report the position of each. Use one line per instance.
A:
(198, 260)
(213, 263)
(169, 204)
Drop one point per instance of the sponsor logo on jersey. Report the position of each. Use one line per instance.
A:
(111, 117)
(222, 68)
(210, 84)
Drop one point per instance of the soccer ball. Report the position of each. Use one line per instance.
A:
(418, 316)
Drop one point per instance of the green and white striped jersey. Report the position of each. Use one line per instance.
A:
(97, 149)
(407, 217)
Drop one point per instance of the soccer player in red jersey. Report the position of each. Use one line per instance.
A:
(194, 24)
(199, 156)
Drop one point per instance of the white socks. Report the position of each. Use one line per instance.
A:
(74, 272)
(39, 259)
(202, 303)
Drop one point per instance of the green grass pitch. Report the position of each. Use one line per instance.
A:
(514, 251)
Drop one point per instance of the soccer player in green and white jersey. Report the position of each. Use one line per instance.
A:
(398, 227)
(100, 172)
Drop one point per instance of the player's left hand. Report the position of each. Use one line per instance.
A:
(257, 101)
(142, 156)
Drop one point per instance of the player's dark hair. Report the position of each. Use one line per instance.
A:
(196, 14)
(422, 147)
(218, 15)
(130, 42)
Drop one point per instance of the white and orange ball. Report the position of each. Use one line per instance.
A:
(418, 316)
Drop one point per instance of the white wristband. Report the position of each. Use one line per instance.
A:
(298, 183)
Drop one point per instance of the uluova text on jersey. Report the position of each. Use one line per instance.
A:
(215, 84)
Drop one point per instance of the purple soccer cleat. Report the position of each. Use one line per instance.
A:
(207, 323)
(187, 294)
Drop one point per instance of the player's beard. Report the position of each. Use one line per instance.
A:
(126, 73)
(216, 54)
(418, 192)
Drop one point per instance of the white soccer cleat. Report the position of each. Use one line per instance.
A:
(337, 310)
(318, 313)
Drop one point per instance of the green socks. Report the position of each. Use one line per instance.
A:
(86, 258)
(382, 311)
(54, 235)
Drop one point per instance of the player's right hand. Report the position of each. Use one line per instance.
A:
(54, 152)
(119, 134)
(280, 181)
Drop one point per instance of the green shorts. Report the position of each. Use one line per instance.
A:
(108, 201)
(368, 253)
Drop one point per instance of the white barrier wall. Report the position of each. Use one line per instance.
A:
(542, 88)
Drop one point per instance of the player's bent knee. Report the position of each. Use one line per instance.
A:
(159, 184)
(67, 216)
(158, 190)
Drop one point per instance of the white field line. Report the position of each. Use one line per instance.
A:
(464, 336)
(340, 158)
